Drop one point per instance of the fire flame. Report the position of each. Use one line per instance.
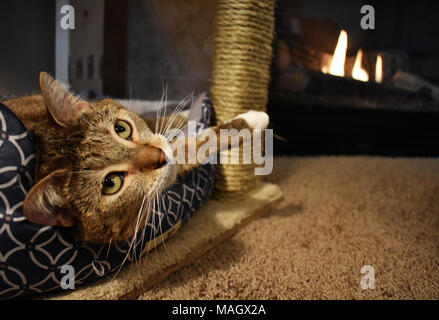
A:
(337, 65)
(379, 69)
(358, 73)
(338, 59)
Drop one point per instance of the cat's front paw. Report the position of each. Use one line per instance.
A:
(255, 119)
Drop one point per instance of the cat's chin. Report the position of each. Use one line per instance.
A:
(167, 177)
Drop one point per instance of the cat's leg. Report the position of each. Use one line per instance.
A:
(250, 120)
(254, 119)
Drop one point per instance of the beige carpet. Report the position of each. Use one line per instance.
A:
(338, 214)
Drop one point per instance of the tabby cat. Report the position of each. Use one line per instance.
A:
(98, 165)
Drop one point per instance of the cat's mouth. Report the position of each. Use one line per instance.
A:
(170, 165)
(162, 161)
(167, 170)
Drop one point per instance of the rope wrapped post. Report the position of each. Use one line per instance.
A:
(241, 75)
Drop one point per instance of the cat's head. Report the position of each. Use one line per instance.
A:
(111, 168)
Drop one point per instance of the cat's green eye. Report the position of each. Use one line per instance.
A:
(113, 182)
(123, 129)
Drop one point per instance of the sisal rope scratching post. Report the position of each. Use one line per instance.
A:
(241, 74)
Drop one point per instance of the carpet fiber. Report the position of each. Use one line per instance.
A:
(338, 214)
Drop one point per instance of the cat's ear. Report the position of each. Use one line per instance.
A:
(64, 107)
(45, 204)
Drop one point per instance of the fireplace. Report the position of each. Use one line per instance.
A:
(340, 89)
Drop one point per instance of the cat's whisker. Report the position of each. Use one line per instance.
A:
(185, 101)
(163, 239)
(108, 250)
(108, 276)
(123, 262)
(160, 220)
(131, 243)
(164, 112)
(158, 217)
(145, 210)
(182, 104)
(145, 213)
(159, 106)
(174, 133)
(136, 230)
(180, 123)
(162, 109)
(118, 269)
(141, 214)
(151, 229)
(174, 115)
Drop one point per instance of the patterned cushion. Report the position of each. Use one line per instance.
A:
(31, 255)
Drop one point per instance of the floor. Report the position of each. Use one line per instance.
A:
(338, 215)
